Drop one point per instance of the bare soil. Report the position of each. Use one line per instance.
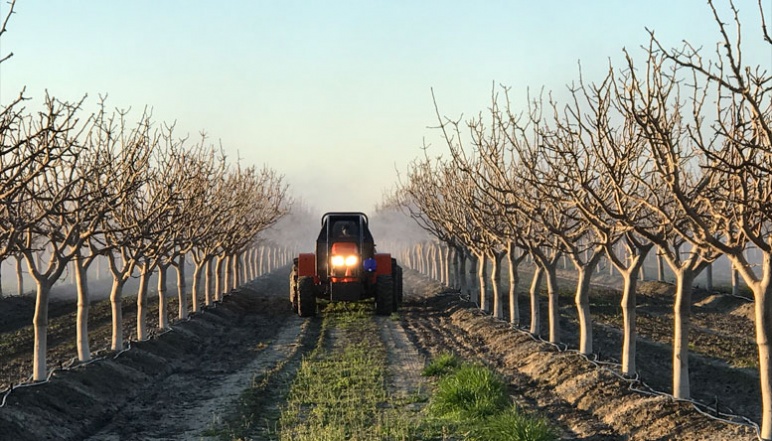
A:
(179, 384)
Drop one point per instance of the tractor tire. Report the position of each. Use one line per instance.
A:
(306, 297)
(293, 288)
(398, 286)
(384, 295)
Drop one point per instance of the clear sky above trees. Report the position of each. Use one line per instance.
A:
(335, 95)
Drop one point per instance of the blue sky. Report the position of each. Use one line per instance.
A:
(335, 95)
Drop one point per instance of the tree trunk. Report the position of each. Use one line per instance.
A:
(81, 285)
(709, 278)
(218, 282)
(762, 308)
(19, 275)
(481, 281)
(582, 300)
(660, 268)
(463, 285)
(208, 276)
(40, 323)
(261, 262)
(435, 260)
(449, 275)
(763, 321)
(144, 279)
(163, 304)
(116, 304)
(630, 282)
(236, 262)
(534, 294)
(554, 307)
(182, 309)
(199, 266)
(498, 309)
(681, 311)
(514, 279)
(226, 267)
(245, 266)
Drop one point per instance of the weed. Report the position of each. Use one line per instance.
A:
(443, 364)
(471, 392)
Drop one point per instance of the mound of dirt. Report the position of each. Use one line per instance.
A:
(78, 402)
(586, 399)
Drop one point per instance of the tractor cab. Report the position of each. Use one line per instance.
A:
(344, 246)
(345, 267)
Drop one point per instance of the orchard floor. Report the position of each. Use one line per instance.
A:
(180, 383)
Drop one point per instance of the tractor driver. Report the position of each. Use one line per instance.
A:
(348, 230)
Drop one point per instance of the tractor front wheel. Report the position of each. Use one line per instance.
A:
(384, 295)
(306, 297)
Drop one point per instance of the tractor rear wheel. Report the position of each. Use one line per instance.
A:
(384, 295)
(293, 290)
(397, 287)
(306, 297)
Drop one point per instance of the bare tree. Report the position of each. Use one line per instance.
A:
(4, 27)
(126, 155)
(597, 160)
(653, 101)
(735, 208)
(47, 208)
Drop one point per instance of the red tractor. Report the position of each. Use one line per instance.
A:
(345, 268)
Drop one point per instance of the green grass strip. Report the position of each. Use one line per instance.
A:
(471, 402)
(340, 390)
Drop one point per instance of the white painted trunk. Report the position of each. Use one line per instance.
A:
(116, 304)
(208, 281)
(481, 282)
(582, 300)
(144, 279)
(514, 280)
(681, 314)
(433, 256)
(163, 304)
(194, 292)
(498, 309)
(735, 282)
(218, 279)
(226, 272)
(40, 324)
(448, 264)
(534, 294)
(81, 284)
(629, 336)
(554, 307)
(762, 291)
(245, 267)
(261, 261)
(236, 266)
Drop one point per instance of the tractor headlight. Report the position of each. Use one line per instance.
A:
(339, 261)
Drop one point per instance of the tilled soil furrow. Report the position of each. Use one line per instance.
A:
(586, 401)
(433, 332)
